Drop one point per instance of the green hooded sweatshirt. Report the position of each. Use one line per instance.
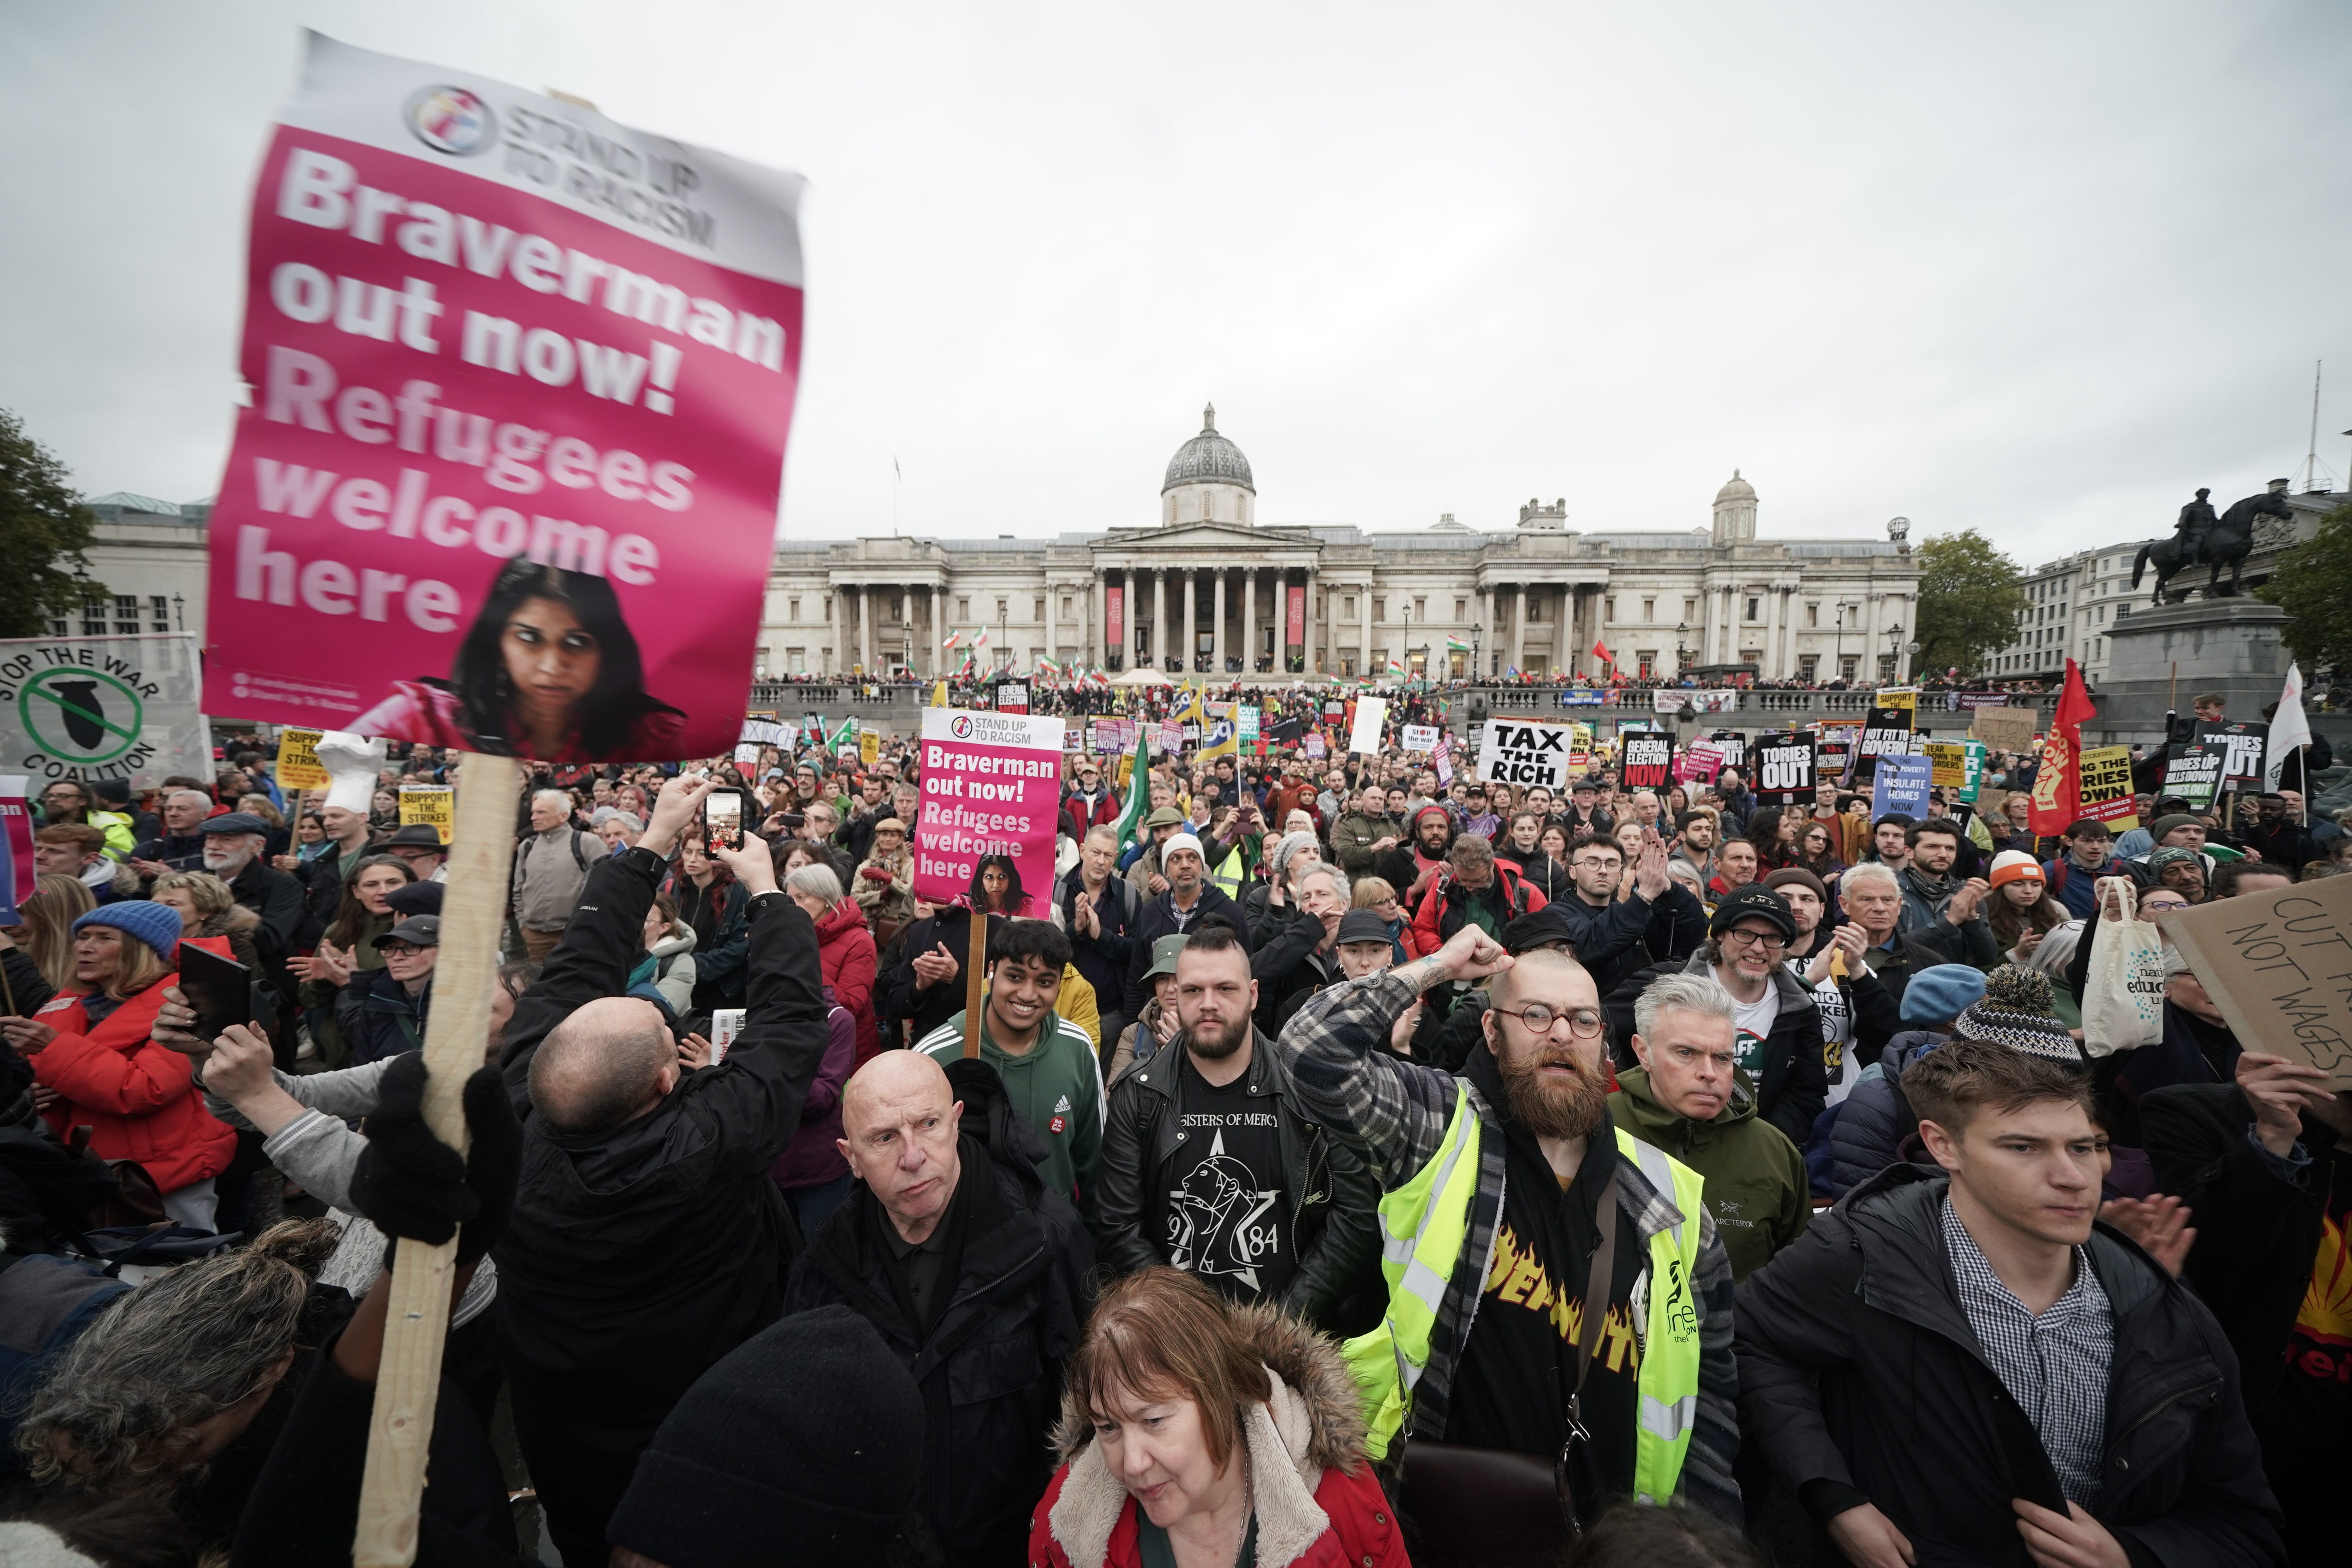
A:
(1056, 1084)
(1756, 1184)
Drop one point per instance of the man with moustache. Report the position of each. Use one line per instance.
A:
(1507, 1191)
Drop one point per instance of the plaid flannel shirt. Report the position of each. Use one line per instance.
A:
(1397, 1112)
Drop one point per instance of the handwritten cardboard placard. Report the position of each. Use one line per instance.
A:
(2279, 965)
(2005, 728)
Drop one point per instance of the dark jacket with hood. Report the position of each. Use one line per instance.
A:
(1874, 1123)
(1329, 1192)
(1632, 933)
(1291, 966)
(720, 917)
(1158, 918)
(1862, 1380)
(1794, 1083)
(1755, 1186)
(640, 1254)
(900, 998)
(1012, 1301)
(378, 1018)
(1101, 960)
(1400, 868)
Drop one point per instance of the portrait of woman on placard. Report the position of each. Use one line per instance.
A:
(549, 670)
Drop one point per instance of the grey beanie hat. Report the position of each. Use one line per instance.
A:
(1290, 845)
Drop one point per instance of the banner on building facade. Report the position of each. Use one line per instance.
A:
(1115, 618)
(1295, 618)
(522, 379)
(991, 784)
(104, 707)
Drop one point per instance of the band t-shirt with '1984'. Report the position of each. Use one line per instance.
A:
(1225, 1218)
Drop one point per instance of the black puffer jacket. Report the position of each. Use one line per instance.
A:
(1156, 918)
(1329, 1192)
(1012, 1301)
(1858, 1371)
(1621, 938)
(1791, 1082)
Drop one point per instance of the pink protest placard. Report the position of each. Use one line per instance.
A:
(522, 379)
(991, 784)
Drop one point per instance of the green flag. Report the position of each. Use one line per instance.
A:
(1138, 788)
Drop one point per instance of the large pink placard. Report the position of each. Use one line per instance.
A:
(520, 385)
(991, 784)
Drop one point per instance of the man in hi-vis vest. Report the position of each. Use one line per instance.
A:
(1490, 1240)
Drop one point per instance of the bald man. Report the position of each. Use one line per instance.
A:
(648, 1240)
(973, 1269)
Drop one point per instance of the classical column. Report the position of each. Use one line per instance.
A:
(1519, 630)
(1192, 616)
(1093, 641)
(1249, 620)
(1218, 616)
(1868, 670)
(865, 628)
(1369, 666)
(1159, 619)
(934, 653)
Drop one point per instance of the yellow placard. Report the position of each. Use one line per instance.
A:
(433, 805)
(2108, 787)
(1907, 698)
(869, 746)
(1951, 764)
(298, 759)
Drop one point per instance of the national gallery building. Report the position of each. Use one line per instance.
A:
(1210, 590)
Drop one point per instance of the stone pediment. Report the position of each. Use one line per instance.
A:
(1187, 538)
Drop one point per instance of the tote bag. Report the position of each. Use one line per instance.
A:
(2123, 994)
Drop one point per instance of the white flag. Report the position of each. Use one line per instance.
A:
(2289, 728)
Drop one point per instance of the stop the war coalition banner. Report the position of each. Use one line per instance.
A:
(522, 379)
(991, 785)
(102, 708)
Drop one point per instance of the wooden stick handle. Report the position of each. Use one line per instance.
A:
(975, 984)
(472, 912)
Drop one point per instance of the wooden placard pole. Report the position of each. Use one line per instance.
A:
(975, 982)
(481, 849)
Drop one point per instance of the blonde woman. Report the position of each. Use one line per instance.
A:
(38, 953)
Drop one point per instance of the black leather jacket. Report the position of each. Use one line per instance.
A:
(1331, 1195)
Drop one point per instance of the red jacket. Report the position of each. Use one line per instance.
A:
(1077, 818)
(1362, 1529)
(1439, 916)
(139, 1100)
(845, 954)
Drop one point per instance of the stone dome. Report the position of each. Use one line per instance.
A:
(1735, 489)
(1208, 458)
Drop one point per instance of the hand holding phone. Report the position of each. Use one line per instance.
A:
(722, 820)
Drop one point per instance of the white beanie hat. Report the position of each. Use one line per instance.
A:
(1182, 841)
(2011, 864)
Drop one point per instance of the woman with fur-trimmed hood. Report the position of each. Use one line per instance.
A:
(1195, 1431)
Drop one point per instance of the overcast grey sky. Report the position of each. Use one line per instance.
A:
(2037, 269)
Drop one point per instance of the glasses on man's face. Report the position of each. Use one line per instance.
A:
(1770, 940)
(1583, 1022)
(1594, 863)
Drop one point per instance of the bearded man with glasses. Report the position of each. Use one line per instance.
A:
(1555, 1286)
(1777, 1023)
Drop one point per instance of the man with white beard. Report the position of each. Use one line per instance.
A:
(234, 844)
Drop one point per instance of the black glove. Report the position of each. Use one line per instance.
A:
(413, 1185)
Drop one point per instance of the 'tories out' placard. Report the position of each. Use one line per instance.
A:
(991, 784)
(522, 379)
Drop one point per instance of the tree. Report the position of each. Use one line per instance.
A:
(2313, 584)
(44, 528)
(1970, 599)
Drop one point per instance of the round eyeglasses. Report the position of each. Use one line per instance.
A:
(1583, 1022)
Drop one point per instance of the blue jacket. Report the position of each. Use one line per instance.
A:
(2077, 889)
(1864, 1134)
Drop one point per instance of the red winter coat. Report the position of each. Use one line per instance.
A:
(139, 1100)
(844, 952)
(1440, 913)
(1077, 818)
(1310, 1512)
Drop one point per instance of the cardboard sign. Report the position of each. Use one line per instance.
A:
(1901, 784)
(2194, 774)
(2108, 787)
(433, 805)
(1371, 716)
(1649, 760)
(1515, 751)
(991, 784)
(2005, 728)
(298, 759)
(1784, 768)
(2279, 965)
(502, 351)
(2244, 746)
(106, 708)
(1421, 737)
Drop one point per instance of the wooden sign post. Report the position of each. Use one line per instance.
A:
(975, 983)
(481, 850)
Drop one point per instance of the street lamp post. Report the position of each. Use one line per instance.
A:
(1894, 648)
(1682, 653)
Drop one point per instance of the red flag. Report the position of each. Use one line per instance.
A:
(2058, 784)
(1601, 651)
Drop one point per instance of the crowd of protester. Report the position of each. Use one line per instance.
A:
(1352, 1162)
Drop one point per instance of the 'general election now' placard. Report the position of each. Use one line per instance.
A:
(991, 785)
(522, 379)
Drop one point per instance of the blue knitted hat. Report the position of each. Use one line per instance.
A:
(1939, 995)
(157, 925)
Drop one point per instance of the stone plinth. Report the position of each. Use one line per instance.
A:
(2230, 645)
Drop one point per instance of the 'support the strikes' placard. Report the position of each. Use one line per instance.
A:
(436, 806)
(486, 333)
(991, 785)
(298, 759)
(2279, 965)
(103, 707)
(1513, 751)
(2108, 787)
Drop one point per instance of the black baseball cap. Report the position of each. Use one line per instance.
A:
(1362, 925)
(1759, 902)
(1528, 932)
